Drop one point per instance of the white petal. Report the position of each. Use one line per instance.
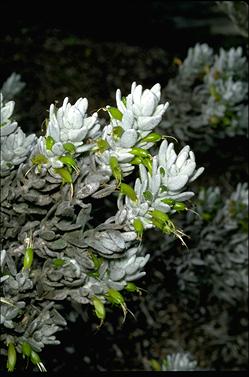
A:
(156, 89)
(136, 94)
(158, 204)
(189, 168)
(120, 104)
(148, 103)
(162, 153)
(176, 183)
(155, 184)
(197, 173)
(182, 196)
(148, 123)
(127, 120)
(181, 159)
(128, 139)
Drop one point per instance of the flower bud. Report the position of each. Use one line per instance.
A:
(26, 349)
(128, 190)
(28, 258)
(11, 361)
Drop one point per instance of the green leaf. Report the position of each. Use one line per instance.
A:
(162, 171)
(102, 145)
(148, 196)
(139, 227)
(99, 308)
(69, 147)
(136, 160)
(26, 349)
(58, 262)
(11, 360)
(179, 206)
(115, 113)
(65, 175)
(140, 152)
(155, 365)
(35, 358)
(49, 142)
(117, 132)
(116, 170)
(115, 297)
(39, 159)
(214, 93)
(28, 258)
(97, 261)
(168, 201)
(153, 137)
(159, 215)
(124, 100)
(68, 161)
(128, 190)
(147, 162)
(131, 287)
(163, 188)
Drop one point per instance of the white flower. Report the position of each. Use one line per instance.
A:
(197, 58)
(15, 148)
(7, 126)
(141, 111)
(70, 124)
(170, 174)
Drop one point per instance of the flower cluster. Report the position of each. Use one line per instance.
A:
(15, 146)
(54, 247)
(209, 96)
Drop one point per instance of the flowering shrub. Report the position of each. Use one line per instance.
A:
(55, 246)
(209, 96)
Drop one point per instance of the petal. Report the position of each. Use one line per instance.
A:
(155, 184)
(162, 153)
(189, 168)
(197, 174)
(120, 104)
(136, 94)
(156, 89)
(7, 111)
(128, 139)
(182, 196)
(148, 123)
(127, 120)
(148, 103)
(8, 129)
(177, 182)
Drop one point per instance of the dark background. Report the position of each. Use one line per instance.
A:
(90, 48)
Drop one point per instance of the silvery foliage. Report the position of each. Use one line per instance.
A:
(209, 96)
(215, 267)
(178, 362)
(12, 86)
(46, 187)
(15, 146)
(237, 11)
(218, 246)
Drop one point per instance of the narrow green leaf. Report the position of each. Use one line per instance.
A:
(128, 190)
(115, 113)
